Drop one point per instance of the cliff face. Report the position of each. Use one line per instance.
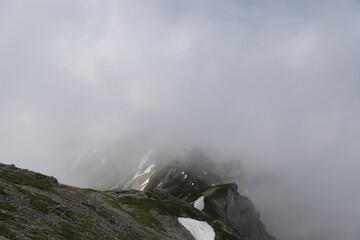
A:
(226, 203)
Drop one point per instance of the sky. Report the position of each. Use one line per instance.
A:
(273, 83)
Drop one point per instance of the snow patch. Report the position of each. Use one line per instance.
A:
(143, 161)
(144, 184)
(199, 229)
(199, 203)
(192, 184)
(148, 170)
(182, 173)
(103, 161)
(185, 176)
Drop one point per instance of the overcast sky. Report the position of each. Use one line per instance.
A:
(274, 83)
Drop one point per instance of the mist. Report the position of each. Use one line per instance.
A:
(274, 84)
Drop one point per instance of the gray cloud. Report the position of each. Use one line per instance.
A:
(274, 83)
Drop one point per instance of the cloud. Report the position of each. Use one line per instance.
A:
(274, 83)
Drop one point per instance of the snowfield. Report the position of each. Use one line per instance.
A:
(199, 229)
(199, 203)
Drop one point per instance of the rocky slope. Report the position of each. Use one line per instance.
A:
(169, 195)
(34, 206)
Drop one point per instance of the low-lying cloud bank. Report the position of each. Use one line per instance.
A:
(273, 83)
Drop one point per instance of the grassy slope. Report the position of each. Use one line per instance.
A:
(34, 206)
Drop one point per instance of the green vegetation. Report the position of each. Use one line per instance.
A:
(67, 233)
(6, 232)
(162, 207)
(87, 191)
(39, 206)
(21, 179)
(142, 210)
(101, 213)
(5, 216)
(2, 192)
(8, 207)
(177, 186)
(38, 202)
(140, 213)
(83, 227)
(36, 235)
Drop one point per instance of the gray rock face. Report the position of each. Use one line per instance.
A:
(237, 211)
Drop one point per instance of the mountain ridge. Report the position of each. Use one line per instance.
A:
(35, 206)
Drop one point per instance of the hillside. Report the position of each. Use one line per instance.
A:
(35, 206)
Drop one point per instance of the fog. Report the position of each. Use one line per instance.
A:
(274, 84)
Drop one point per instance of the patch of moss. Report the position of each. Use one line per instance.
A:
(16, 224)
(36, 235)
(5, 216)
(142, 210)
(38, 202)
(22, 179)
(87, 191)
(2, 192)
(6, 232)
(8, 207)
(67, 233)
(39, 206)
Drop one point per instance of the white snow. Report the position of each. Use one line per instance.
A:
(182, 173)
(142, 188)
(143, 161)
(192, 184)
(199, 229)
(144, 184)
(205, 172)
(199, 203)
(148, 170)
(103, 161)
(185, 176)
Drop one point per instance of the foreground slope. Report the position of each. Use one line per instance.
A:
(35, 206)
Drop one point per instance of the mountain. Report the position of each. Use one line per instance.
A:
(195, 176)
(178, 199)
